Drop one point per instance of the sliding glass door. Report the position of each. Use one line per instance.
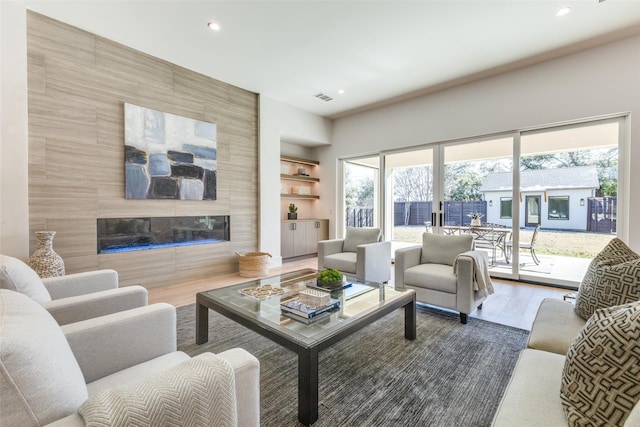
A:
(409, 191)
(568, 199)
(362, 192)
(542, 203)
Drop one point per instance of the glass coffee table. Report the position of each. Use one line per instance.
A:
(361, 303)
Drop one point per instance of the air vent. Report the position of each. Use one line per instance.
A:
(323, 97)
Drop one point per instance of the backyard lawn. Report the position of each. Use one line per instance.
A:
(562, 243)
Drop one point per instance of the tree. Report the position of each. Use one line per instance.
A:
(413, 184)
(364, 192)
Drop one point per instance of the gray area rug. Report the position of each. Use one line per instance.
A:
(451, 375)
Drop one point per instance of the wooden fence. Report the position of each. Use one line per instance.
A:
(601, 214)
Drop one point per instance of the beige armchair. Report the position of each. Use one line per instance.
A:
(73, 297)
(122, 363)
(440, 277)
(361, 253)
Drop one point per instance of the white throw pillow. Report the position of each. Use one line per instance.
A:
(17, 276)
(40, 379)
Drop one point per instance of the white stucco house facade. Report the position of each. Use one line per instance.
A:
(553, 198)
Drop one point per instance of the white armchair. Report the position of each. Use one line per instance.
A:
(73, 297)
(361, 253)
(55, 376)
(429, 270)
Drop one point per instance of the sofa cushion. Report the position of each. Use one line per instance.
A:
(555, 327)
(360, 236)
(438, 249)
(345, 262)
(17, 276)
(438, 277)
(613, 278)
(531, 398)
(601, 376)
(40, 380)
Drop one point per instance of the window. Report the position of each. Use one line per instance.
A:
(559, 207)
(505, 207)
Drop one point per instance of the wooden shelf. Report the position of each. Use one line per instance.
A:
(299, 178)
(299, 160)
(298, 196)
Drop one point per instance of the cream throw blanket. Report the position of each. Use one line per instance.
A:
(198, 392)
(481, 279)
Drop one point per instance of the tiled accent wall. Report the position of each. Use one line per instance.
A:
(78, 84)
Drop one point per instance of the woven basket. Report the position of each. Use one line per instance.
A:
(254, 264)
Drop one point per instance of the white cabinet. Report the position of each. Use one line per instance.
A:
(301, 237)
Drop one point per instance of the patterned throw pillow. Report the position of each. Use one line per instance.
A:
(601, 376)
(613, 278)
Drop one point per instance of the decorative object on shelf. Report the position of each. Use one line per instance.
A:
(293, 211)
(330, 279)
(302, 171)
(301, 191)
(254, 264)
(475, 218)
(44, 260)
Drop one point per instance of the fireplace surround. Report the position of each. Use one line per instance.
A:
(134, 234)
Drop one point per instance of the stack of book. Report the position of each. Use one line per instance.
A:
(308, 313)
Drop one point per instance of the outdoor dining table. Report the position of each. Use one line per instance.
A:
(490, 236)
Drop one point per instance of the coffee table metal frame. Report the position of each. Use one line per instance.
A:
(307, 351)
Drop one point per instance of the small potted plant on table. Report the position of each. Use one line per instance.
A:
(293, 211)
(330, 279)
(475, 218)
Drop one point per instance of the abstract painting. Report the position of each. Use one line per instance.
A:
(168, 156)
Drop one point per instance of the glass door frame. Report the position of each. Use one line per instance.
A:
(439, 184)
(378, 204)
(385, 204)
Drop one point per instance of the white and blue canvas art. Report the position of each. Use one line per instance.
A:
(168, 156)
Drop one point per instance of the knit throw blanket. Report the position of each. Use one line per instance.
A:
(198, 392)
(481, 279)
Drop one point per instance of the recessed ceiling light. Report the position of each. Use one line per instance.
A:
(563, 11)
(214, 25)
(340, 91)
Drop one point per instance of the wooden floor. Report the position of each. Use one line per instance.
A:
(514, 304)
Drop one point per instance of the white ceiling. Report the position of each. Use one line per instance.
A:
(377, 51)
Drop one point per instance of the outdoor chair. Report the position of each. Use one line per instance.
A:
(362, 253)
(73, 297)
(119, 369)
(490, 236)
(531, 246)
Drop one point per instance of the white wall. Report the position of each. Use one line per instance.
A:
(14, 191)
(595, 82)
(281, 128)
(577, 214)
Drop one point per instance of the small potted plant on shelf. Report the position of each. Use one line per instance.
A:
(293, 211)
(475, 218)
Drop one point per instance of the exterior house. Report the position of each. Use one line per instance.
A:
(553, 198)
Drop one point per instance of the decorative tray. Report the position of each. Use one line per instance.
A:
(262, 292)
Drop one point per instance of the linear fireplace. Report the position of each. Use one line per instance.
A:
(134, 234)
